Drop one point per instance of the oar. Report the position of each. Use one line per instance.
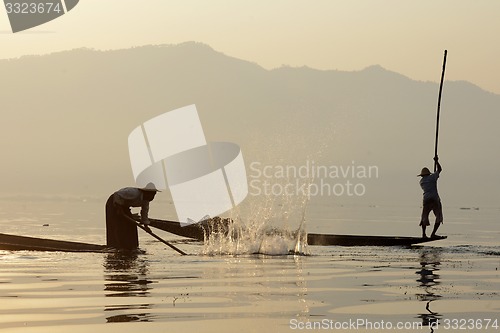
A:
(438, 109)
(148, 230)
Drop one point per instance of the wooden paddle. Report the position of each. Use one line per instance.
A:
(148, 230)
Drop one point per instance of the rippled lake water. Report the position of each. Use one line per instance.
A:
(325, 288)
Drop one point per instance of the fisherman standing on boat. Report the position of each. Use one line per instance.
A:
(121, 233)
(431, 201)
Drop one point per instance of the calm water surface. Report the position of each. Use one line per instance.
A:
(161, 291)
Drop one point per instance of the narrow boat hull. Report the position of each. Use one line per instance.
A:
(200, 230)
(193, 231)
(23, 243)
(197, 231)
(354, 240)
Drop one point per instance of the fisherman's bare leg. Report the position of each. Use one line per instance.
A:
(424, 220)
(438, 212)
(436, 227)
(423, 231)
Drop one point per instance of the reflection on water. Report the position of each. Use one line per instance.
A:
(81, 292)
(126, 276)
(430, 260)
(254, 286)
(196, 288)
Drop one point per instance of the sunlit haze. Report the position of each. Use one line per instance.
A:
(403, 36)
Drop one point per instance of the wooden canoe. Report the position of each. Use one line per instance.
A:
(23, 243)
(199, 230)
(194, 231)
(354, 240)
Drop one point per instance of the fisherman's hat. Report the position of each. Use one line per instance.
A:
(150, 187)
(424, 172)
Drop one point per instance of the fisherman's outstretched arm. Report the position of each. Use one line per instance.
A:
(439, 168)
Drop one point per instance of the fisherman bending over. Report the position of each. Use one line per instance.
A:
(121, 233)
(431, 200)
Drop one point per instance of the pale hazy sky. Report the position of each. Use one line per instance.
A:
(408, 37)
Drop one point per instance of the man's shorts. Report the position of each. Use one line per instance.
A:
(434, 206)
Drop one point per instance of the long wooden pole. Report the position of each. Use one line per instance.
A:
(438, 110)
(148, 230)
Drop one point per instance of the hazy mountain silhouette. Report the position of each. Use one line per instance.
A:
(66, 118)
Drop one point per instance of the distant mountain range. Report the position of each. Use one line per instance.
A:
(66, 118)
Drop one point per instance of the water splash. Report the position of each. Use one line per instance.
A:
(301, 244)
(259, 233)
